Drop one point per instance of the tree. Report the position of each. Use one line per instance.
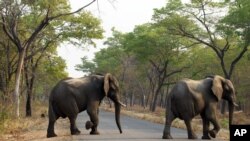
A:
(204, 22)
(11, 14)
(153, 46)
(7, 68)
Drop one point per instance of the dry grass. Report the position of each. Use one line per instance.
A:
(13, 128)
(34, 128)
(159, 117)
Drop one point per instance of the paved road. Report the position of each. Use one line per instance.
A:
(133, 129)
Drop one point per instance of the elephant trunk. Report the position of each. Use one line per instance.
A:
(117, 115)
(118, 105)
(231, 104)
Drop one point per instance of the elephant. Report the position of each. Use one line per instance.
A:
(189, 98)
(71, 96)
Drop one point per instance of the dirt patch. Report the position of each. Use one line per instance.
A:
(37, 130)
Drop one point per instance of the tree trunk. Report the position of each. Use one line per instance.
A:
(152, 101)
(224, 103)
(28, 105)
(161, 100)
(142, 95)
(166, 97)
(126, 97)
(17, 81)
(148, 97)
(132, 99)
(154, 105)
(30, 78)
(143, 101)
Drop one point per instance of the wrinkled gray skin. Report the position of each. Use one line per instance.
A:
(74, 95)
(189, 98)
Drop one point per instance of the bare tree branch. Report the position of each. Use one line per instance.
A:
(66, 14)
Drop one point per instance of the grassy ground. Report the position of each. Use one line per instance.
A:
(15, 128)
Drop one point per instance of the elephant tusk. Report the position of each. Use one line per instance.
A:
(235, 104)
(122, 104)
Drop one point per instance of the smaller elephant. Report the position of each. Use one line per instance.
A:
(73, 95)
(189, 98)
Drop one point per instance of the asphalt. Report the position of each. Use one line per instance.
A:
(133, 129)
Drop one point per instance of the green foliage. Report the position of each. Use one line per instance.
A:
(203, 62)
(237, 21)
(54, 67)
(50, 71)
(183, 35)
(108, 60)
(81, 28)
(86, 66)
(27, 18)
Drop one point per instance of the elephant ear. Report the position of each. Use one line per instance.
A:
(110, 81)
(217, 87)
(106, 83)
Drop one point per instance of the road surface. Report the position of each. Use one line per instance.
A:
(133, 129)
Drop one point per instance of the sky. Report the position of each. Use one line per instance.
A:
(124, 15)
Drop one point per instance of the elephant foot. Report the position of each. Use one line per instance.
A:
(75, 132)
(167, 137)
(205, 137)
(94, 132)
(88, 125)
(212, 133)
(51, 134)
(193, 136)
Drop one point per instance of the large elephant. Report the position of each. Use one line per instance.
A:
(73, 95)
(189, 98)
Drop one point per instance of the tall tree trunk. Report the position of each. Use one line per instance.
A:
(126, 97)
(161, 100)
(131, 99)
(166, 97)
(29, 85)
(28, 105)
(18, 80)
(152, 101)
(155, 99)
(148, 97)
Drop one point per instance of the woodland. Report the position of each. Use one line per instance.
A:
(191, 40)
(183, 40)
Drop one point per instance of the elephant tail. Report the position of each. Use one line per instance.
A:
(52, 115)
(169, 103)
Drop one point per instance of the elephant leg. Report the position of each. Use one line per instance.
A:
(191, 134)
(205, 122)
(72, 112)
(216, 129)
(52, 119)
(211, 115)
(73, 128)
(93, 114)
(169, 119)
(51, 131)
